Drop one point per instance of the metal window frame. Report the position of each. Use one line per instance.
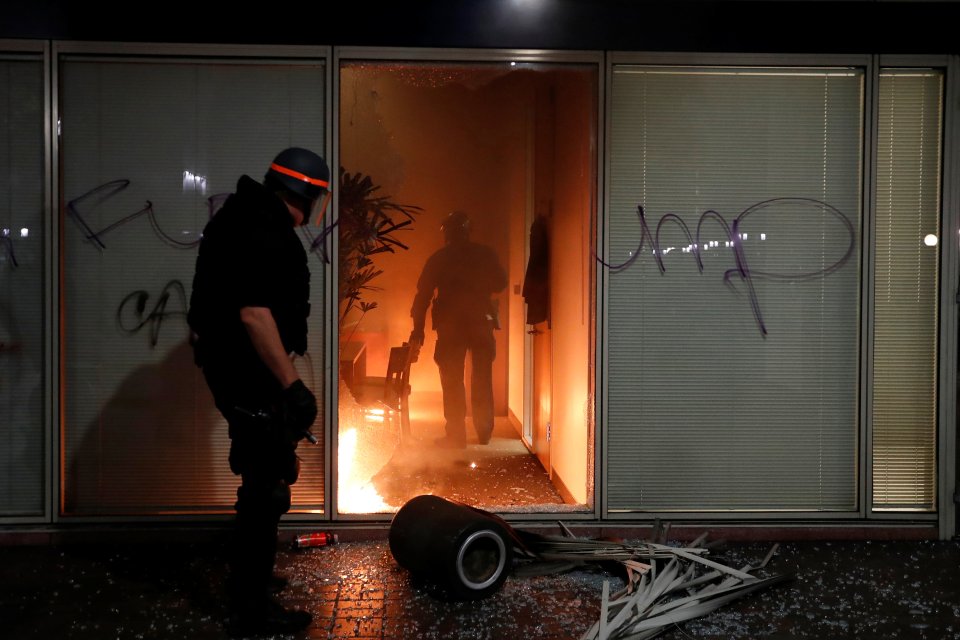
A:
(143, 53)
(40, 51)
(868, 64)
(50, 52)
(464, 55)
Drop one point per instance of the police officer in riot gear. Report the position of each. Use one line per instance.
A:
(464, 275)
(248, 316)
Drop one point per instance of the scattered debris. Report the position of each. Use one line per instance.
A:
(665, 584)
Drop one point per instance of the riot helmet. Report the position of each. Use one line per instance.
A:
(300, 171)
(456, 227)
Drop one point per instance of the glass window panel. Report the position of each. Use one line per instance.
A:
(733, 304)
(906, 301)
(22, 468)
(149, 150)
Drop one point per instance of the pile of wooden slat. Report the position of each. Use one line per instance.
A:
(665, 584)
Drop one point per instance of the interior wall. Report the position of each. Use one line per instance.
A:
(571, 241)
(442, 141)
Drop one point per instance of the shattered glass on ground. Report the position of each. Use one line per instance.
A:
(875, 590)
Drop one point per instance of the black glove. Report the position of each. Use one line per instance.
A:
(416, 337)
(299, 409)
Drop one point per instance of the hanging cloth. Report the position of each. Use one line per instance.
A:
(536, 282)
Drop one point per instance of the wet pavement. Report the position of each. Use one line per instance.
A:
(173, 589)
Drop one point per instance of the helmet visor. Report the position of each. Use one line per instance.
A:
(318, 208)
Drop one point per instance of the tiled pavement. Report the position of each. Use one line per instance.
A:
(901, 589)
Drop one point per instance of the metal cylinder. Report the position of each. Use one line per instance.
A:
(318, 539)
(465, 550)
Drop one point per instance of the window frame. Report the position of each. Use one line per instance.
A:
(947, 458)
(160, 53)
(40, 50)
(872, 65)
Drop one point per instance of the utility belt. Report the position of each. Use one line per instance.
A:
(259, 446)
(488, 313)
(268, 422)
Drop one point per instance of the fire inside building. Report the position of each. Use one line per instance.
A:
(718, 276)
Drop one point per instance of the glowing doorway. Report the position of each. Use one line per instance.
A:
(510, 145)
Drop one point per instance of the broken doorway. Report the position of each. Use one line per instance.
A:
(510, 144)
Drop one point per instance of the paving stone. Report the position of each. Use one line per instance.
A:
(849, 589)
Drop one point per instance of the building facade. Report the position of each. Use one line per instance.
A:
(746, 258)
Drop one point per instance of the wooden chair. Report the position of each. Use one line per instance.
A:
(390, 392)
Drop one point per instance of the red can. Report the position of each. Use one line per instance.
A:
(318, 539)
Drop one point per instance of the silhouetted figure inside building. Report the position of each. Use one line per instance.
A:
(459, 280)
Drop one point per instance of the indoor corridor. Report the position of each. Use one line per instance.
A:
(386, 468)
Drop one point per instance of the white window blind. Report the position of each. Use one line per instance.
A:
(148, 148)
(905, 290)
(22, 468)
(734, 386)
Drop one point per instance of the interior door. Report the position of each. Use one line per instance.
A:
(538, 281)
(542, 391)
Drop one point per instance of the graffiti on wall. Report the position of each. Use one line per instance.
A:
(735, 242)
(133, 314)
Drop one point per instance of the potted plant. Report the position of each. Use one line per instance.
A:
(368, 225)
